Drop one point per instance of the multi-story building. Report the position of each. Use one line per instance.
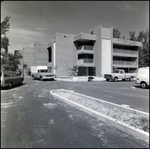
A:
(35, 54)
(94, 54)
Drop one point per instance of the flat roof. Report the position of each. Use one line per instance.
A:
(84, 37)
(126, 42)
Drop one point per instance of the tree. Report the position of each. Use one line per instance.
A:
(5, 61)
(25, 66)
(11, 61)
(116, 33)
(8, 61)
(144, 50)
(74, 70)
(28, 71)
(140, 36)
(5, 25)
(15, 59)
(4, 43)
(132, 35)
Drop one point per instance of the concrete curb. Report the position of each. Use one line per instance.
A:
(135, 132)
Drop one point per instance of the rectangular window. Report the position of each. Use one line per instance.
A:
(49, 69)
(49, 55)
(86, 71)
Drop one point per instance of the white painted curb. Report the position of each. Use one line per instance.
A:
(137, 133)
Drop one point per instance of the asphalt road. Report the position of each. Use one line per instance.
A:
(120, 92)
(32, 118)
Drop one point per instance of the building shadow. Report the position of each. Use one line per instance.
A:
(45, 80)
(14, 86)
(138, 86)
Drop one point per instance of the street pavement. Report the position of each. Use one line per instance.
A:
(32, 118)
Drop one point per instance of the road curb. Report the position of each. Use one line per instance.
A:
(135, 132)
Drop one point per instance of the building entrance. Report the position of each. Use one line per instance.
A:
(86, 71)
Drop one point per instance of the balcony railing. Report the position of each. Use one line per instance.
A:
(125, 52)
(85, 47)
(85, 61)
(125, 63)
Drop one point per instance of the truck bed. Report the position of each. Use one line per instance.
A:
(128, 75)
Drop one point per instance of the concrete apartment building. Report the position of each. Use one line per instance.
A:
(35, 54)
(94, 54)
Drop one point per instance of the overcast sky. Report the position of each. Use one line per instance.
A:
(37, 21)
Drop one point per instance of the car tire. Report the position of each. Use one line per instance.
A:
(143, 85)
(41, 78)
(131, 78)
(21, 82)
(107, 79)
(115, 79)
(10, 84)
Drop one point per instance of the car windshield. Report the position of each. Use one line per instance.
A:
(44, 70)
(116, 71)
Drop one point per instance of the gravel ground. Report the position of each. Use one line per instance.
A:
(79, 79)
(130, 119)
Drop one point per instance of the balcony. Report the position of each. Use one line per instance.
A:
(122, 52)
(125, 63)
(85, 62)
(84, 37)
(126, 42)
(85, 49)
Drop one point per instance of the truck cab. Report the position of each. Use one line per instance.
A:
(120, 73)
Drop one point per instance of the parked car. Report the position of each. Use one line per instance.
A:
(10, 78)
(143, 77)
(119, 74)
(43, 74)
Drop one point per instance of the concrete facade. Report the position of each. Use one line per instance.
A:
(63, 54)
(94, 54)
(35, 54)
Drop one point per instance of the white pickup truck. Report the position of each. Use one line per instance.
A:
(43, 74)
(119, 74)
(34, 69)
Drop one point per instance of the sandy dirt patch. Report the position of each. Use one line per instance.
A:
(79, 79)
(49, 105)
(131, 119)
